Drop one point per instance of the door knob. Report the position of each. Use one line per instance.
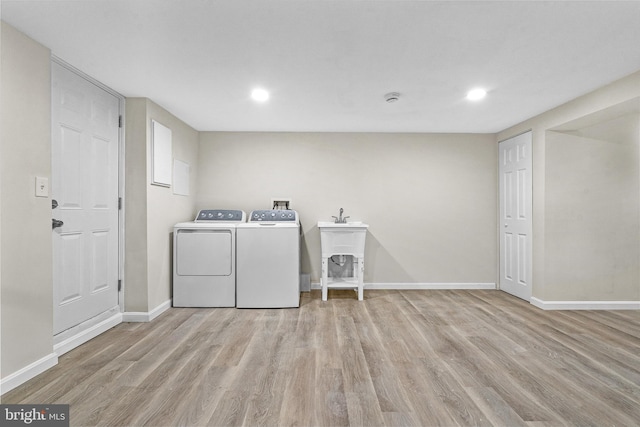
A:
(55, 223)
(54, 203)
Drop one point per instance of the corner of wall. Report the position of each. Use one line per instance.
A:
(135, 265)
(620, 91)
(151, 211)
(165, 206)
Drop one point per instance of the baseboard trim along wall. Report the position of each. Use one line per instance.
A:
(68, 342)
(85, 335)
(421, 286)
(25, 374)
(585, 305)
(146, 316)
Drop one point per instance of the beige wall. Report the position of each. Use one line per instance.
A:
(165, 209)
(547, 285)
(25, 225)
(136, 293)
(591, 200)
(152, 211)
(445, 185)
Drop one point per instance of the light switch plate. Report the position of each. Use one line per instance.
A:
(42, 186)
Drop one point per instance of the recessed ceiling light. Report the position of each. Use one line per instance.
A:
(259, 95)
(476, 94)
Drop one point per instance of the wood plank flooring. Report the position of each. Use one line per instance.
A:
(399, 358)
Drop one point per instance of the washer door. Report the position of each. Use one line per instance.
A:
(203, 253)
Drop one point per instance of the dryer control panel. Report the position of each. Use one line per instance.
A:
(274, 215)
(226, 215)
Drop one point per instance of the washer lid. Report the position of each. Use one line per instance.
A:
(207, 225)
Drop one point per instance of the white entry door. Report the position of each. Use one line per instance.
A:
(515, 216)
(85, 142)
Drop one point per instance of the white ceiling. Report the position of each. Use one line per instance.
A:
(328, 63)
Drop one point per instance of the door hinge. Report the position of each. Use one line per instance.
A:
(120, 121)
(119, 285)
(119, 203)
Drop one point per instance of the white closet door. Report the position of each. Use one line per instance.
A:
(85, 134)
(515, 216)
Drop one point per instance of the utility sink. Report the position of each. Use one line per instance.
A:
(342, 238)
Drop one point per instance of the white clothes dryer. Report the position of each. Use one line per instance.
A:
(204, 259)
(268, 260)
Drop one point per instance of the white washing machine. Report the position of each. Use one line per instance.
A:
(204, 259)
(268, 260)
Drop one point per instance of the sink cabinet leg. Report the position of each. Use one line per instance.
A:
(324, 280)
(360, 279)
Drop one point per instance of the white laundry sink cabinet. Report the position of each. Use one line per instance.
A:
(346, 238)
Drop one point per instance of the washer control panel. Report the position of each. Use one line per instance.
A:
(274, 215)
(220, 215)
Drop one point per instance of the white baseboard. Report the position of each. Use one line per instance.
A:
(144, 316)
(25, 374)
(68, 340)
(421, 286)
(86, 334)
(585, 305)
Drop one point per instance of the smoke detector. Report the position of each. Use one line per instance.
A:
(392, 97)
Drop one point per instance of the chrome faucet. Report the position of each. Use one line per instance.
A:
(340, 220)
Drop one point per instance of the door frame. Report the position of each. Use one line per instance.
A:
(121, 192)
(499, 219)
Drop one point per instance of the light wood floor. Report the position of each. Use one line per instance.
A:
(429, 358)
